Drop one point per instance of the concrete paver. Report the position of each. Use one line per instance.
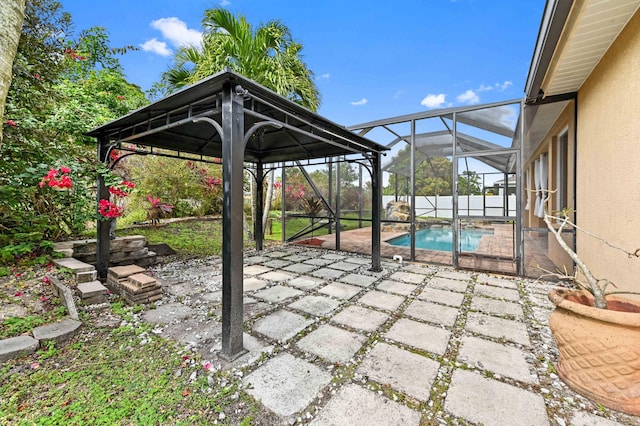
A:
(332, 343)
(276, 263)
(315, 305)
(497, 307)
(281, 325)
(448, 284)
(359, 280)
(278, 293)
(345, 266)
(454, 275)
(355, 406)
(276, 276)
(305, 282)
(497, 292)
(489, 402)
(419, 335)
(340, 290)
(327, 273)
(252, 284)
(444, 297)
(360, 318)
(388, 364)
(255, 270)
(431, 312)
(286, 384)
(407, 277)
(500, 359)
(381, 300)
(499, 328)
(299, 268)
(397, 287)
(496, 281)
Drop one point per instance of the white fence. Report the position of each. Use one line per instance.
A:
(468, 205)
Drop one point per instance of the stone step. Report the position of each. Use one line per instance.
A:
(85, 277)
(16, 347)
(91, 289)
(132, 289)
(57, 332)
(74, 264)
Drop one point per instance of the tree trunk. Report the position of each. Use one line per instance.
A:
(267, 201)
(11, 17)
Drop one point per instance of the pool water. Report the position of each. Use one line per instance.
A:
(441, 239)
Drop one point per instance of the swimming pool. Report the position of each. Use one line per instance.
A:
(441, 239)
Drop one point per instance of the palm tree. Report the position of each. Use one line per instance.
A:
(267, 54)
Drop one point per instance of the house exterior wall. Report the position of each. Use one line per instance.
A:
(564, 123)
(608, 173)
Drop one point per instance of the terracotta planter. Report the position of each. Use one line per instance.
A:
(599, 348)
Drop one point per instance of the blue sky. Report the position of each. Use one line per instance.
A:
(371, 59)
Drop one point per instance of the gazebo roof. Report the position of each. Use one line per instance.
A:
(296, 133)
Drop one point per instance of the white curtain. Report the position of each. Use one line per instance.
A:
(527, 194)
(544, 176)
(536, 175)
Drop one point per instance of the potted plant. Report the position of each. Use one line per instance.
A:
(597, 333)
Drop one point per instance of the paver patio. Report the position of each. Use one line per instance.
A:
(409, 345)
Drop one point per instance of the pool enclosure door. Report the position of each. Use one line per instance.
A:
(486, 205)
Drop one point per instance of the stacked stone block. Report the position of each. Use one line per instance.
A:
(122, 251)
(133, 284)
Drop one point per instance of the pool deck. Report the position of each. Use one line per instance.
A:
(494, 253)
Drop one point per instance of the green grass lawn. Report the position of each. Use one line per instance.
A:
(124, 375)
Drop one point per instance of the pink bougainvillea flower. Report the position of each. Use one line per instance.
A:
(207, 365)
(277, 185)
(44, 298)
(36, 76)
(11, 123)
(18, 275)
(46, 280)
(64, 169)
(120, 97)
(34, 365)
(185, 357)
(114, 155)
(18, 294)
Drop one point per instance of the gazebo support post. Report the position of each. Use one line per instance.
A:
(257, 226)
(232, 211)
(376, 211)
(102, 244)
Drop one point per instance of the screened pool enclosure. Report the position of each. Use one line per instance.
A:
(451, 188)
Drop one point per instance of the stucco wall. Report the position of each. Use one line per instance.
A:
(608, 169)
(548, 146)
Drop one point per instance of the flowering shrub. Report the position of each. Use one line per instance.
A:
(109, 210)
(123, 189)
(57, 178)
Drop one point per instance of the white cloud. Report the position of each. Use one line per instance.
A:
(434, 101)
(484, 88)
(324, 76)
(398, 94)
(360, 102)
(505, 85)
(225, 3)
(468, 97)
(176, 32)
(157, 47)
